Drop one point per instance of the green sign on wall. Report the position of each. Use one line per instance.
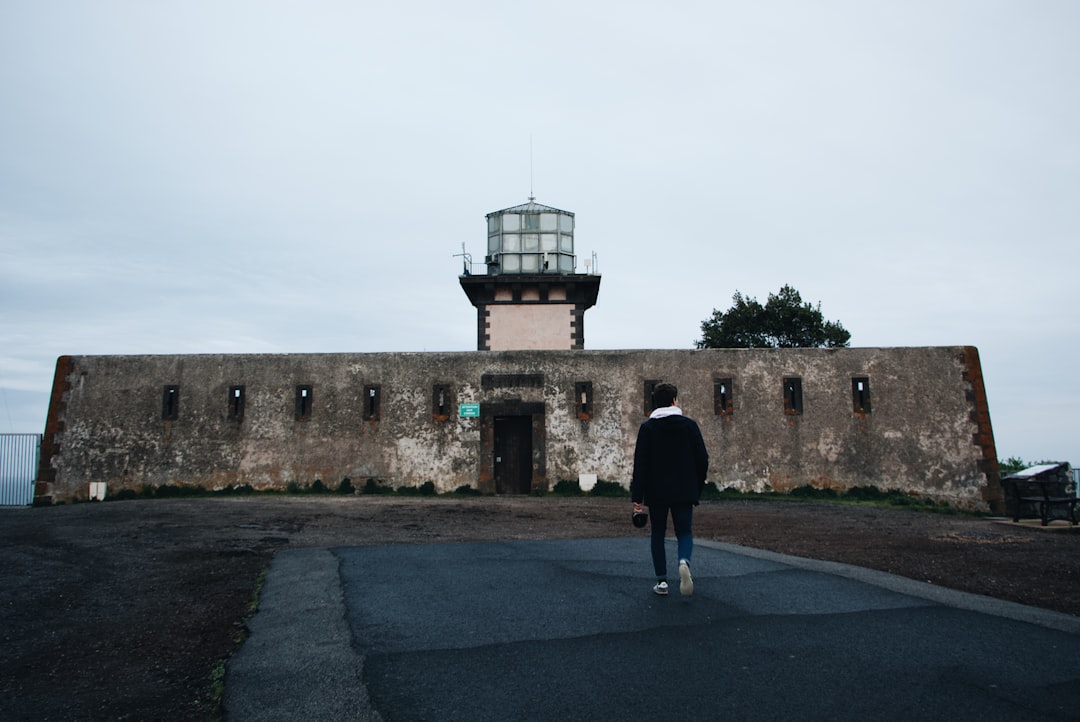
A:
(469, 411)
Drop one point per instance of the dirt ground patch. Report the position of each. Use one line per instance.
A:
(123, 610)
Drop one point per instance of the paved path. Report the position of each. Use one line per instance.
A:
(569, 630)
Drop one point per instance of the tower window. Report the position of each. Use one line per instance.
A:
(583, 399)
(441, 402)
(650, 386)
(170, 403)
(723, 398)
(303, 402)
(860, 394)
(793, 401)
(372, 402)
(236, 403)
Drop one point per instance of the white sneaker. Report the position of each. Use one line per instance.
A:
(686, 582)
(660, 588)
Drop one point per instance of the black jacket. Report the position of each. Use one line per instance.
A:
(670, 462)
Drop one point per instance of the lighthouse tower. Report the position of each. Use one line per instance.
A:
(531, 296)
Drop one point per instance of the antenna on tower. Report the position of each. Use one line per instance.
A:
(532, 196)
(466, 260)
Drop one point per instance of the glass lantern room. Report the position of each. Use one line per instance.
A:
(530, 238)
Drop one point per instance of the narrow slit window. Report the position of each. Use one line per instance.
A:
(793, 396)
(372, 402)
(650, 386)
(441, 402)
(583, 399)
(860, 394)
(236, 403)
(723, 398)
(170, 403)
(304, 395)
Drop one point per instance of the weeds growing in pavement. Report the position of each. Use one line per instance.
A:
(240, 634)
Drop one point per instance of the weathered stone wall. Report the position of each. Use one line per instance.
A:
(928, 428)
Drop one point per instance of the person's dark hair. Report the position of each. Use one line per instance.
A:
(663, 395)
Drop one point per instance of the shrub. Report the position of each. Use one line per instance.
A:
(608, 488)
(807, 491)
(865, 493)
(425, 489)
(168, 491)
(317, 487)
(293, 487)
(566, 487)
(372, 486)
(466, 490)
(346, 487)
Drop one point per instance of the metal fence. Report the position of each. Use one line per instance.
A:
(18, 468)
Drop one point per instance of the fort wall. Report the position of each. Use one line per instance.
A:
(772, 419)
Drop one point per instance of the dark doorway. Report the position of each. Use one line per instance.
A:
(513, 454)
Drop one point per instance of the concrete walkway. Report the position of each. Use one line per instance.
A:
(569, 630)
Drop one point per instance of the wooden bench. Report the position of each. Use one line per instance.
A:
(1043, 492)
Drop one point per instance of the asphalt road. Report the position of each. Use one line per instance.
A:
(570, 630)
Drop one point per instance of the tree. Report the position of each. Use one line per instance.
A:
(783, 322)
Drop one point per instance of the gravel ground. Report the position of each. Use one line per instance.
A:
(126, 610)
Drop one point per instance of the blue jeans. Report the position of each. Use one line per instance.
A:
(682, 517)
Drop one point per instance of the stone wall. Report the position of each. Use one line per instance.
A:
(151, 420)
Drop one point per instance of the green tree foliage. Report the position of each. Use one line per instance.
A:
(783, 322)
(1012, 465)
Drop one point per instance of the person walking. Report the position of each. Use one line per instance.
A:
(670, 464)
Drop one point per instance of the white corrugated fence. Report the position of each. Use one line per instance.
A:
(18, 468)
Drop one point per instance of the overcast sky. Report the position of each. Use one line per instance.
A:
(246, 177)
